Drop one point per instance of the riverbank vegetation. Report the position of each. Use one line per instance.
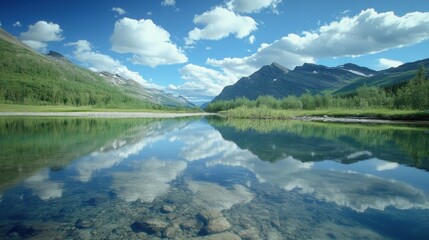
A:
(409, 100)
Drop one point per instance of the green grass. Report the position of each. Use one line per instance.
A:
(267, 113)
(67, 108)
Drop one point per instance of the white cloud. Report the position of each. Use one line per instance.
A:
(388, 63)
(40, 33)
(167, 3)
(220, 23)
(41, 46)
(246, 6)
(265, 55)
(201, 82)
(252, 39)
(149, 43)
(17, 24)
(366, 33)
(119, 10)
(101, 62)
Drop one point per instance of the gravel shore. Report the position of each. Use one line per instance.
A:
(102, 114)
(359, 120)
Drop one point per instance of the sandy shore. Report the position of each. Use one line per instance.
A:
(102, 114)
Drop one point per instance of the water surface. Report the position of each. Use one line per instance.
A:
(211, 178)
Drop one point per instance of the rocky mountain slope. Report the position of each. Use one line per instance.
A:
(28, 77)
(278, 81)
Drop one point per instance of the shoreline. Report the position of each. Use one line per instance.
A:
(178, 115)
(103, 114)
(359, 120)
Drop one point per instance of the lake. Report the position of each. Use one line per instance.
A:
(211, 178)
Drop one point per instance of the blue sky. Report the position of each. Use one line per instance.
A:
(194, 48)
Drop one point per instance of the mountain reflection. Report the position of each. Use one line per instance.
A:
(307, 158)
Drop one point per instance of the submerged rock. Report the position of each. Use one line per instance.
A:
(171, 231)
(22, 231)
(167, 208)
(208, 215)
(220, 236)
(249, 234)
(150, 226)
(217, 225)
(81, 224)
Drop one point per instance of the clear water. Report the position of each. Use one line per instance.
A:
(211, 178)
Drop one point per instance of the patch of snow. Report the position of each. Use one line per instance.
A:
(357, 72)
(314, 72)
(275, 79)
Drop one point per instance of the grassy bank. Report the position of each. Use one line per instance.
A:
(268, 113)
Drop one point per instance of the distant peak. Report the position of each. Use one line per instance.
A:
(55, 54)
(277, 65)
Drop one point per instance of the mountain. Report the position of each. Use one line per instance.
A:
(388, 77)
(28, 77)
(57, 56)
(136, 90)
(279, 82)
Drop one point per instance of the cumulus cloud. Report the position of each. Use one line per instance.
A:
(388, 63)
(168, 3)
(265, 55)
(98, 62)
(252, 39)
(17, 24)
(366, 33)
(149, 43)
(246, 6)
(41, 46)
(201, 82)
(39, 34)
(119, 10)
(220, 23)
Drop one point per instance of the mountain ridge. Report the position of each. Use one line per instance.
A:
(316, 79)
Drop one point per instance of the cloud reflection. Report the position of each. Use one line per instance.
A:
(42, 187)
(213, 196)
(149, 181)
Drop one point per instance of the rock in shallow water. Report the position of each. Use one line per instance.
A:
(217, 225)
(167, 208)
(208, 215)
(150, 226)
(81, 224)
(220, 236)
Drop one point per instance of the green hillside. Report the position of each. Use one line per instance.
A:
(387, 78)
(27, 77)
